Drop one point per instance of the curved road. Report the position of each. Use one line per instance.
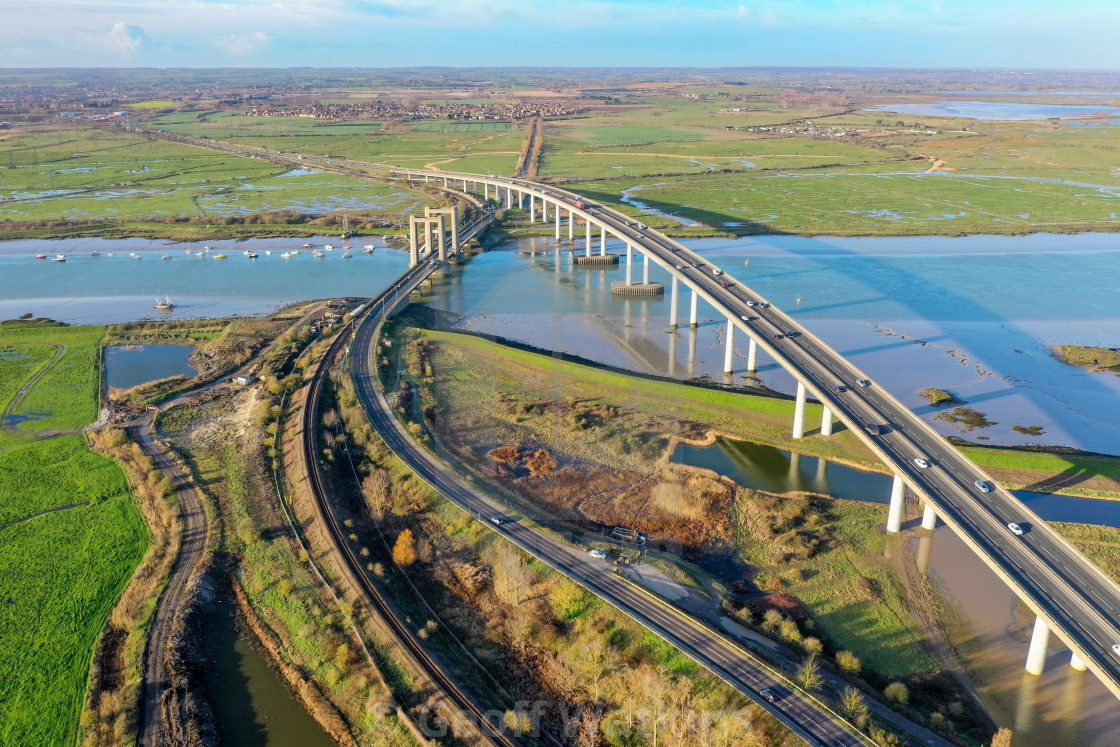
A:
(1073, 596)
(801, 715)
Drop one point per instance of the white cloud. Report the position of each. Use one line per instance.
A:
(244, 44)
(125, 38)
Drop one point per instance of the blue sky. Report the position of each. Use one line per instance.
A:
(1074, 34)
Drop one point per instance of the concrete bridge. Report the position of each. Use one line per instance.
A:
(1069, 595)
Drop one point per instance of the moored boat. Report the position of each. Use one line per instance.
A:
(166, 256)
(251, 255)
(58, 258)
(95, 254)
(220, 256)
(163, 303)
(317, 254)
(40, 256)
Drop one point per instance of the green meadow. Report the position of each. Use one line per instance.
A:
(70, 534)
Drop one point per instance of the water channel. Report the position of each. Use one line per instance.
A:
(910, 312)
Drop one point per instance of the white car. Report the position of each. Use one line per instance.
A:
(679, 267)
(983, 487)
(745, 318)
(863, 382)
(1015, 529)
(1116, 648)
(717, 271)
(921, 463)
(597, 554)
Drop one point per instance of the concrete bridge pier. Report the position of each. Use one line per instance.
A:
(587, 247)
(1036, 654)
(1077, 663)
(929, 518)
(752, 356)
(730, 347)
(544, 210)
(898, 495)
(485, 192)
(799, 412)
(509, 198)
(629, 264)
(532, 209)
(571, 226)
(602, 241)
(826, 422)
(557, 212)
(673, 351)
(453, 214)
(693, 308)
(692, 335)
(413, 246)
(673, 303)
(645, 269)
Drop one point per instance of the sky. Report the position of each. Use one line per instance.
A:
(1036, 34)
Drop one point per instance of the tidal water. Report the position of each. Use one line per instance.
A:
(131, 365)
(997, 110)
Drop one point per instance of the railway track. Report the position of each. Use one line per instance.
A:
(402, 634)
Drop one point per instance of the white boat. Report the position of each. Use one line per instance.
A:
(95, 254)
(134, 255)
(166, 256)
(367, 250)
(347, 255)
(111, 254)
(368, 247)
(206, 248)
(317, 254)
(251, 255)
(286, 255)
(309, 245)
(328, 247)
(268, 252)
(58, 258)
(163, 303)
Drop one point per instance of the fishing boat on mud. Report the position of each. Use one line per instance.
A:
(163, 303)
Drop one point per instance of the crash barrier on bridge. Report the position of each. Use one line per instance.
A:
(622, 288)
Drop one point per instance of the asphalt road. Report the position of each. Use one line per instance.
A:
(1080, 603)
(801, 715)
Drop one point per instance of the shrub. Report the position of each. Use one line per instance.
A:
(848, 662)
(897, 692)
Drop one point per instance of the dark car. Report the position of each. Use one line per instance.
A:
(725, 285)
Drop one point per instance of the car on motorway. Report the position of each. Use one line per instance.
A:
(695, 264)
(499, 520)
(863, 382)
(1116, 648)
(1015, 529)
(750, 304)
(717, 271)
(597, 554)
(679, 267)
(641, 226)
(769, 694)
(763, 305)
(983, 487)
(778, 336)
(725, 285)
(837, 387)
(746, 318)
(921, 463)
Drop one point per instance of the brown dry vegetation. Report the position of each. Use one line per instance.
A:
(533, 631)
(113, 695)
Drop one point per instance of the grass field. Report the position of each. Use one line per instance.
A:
(469, 373)
(63, 564)
(84, 175)
(65, 395)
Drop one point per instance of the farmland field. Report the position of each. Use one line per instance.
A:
(70, 536)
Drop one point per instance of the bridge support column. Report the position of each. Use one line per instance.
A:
(645, 269)
(929, 518)
(692, 335)
(799, 412)
(692, 309)
(752, 356)
(557, 225)
(587, 243)
(629, 264)
(509, 198)
(730, 349)
(532, 209)
(441, 239)
(1036, 655)
(673, 303)
(1077, 663)
(485, 192)
(571, 226)
(826, 422)
(602, 241)
(898, 494)
(544, 210)
(413, 245)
